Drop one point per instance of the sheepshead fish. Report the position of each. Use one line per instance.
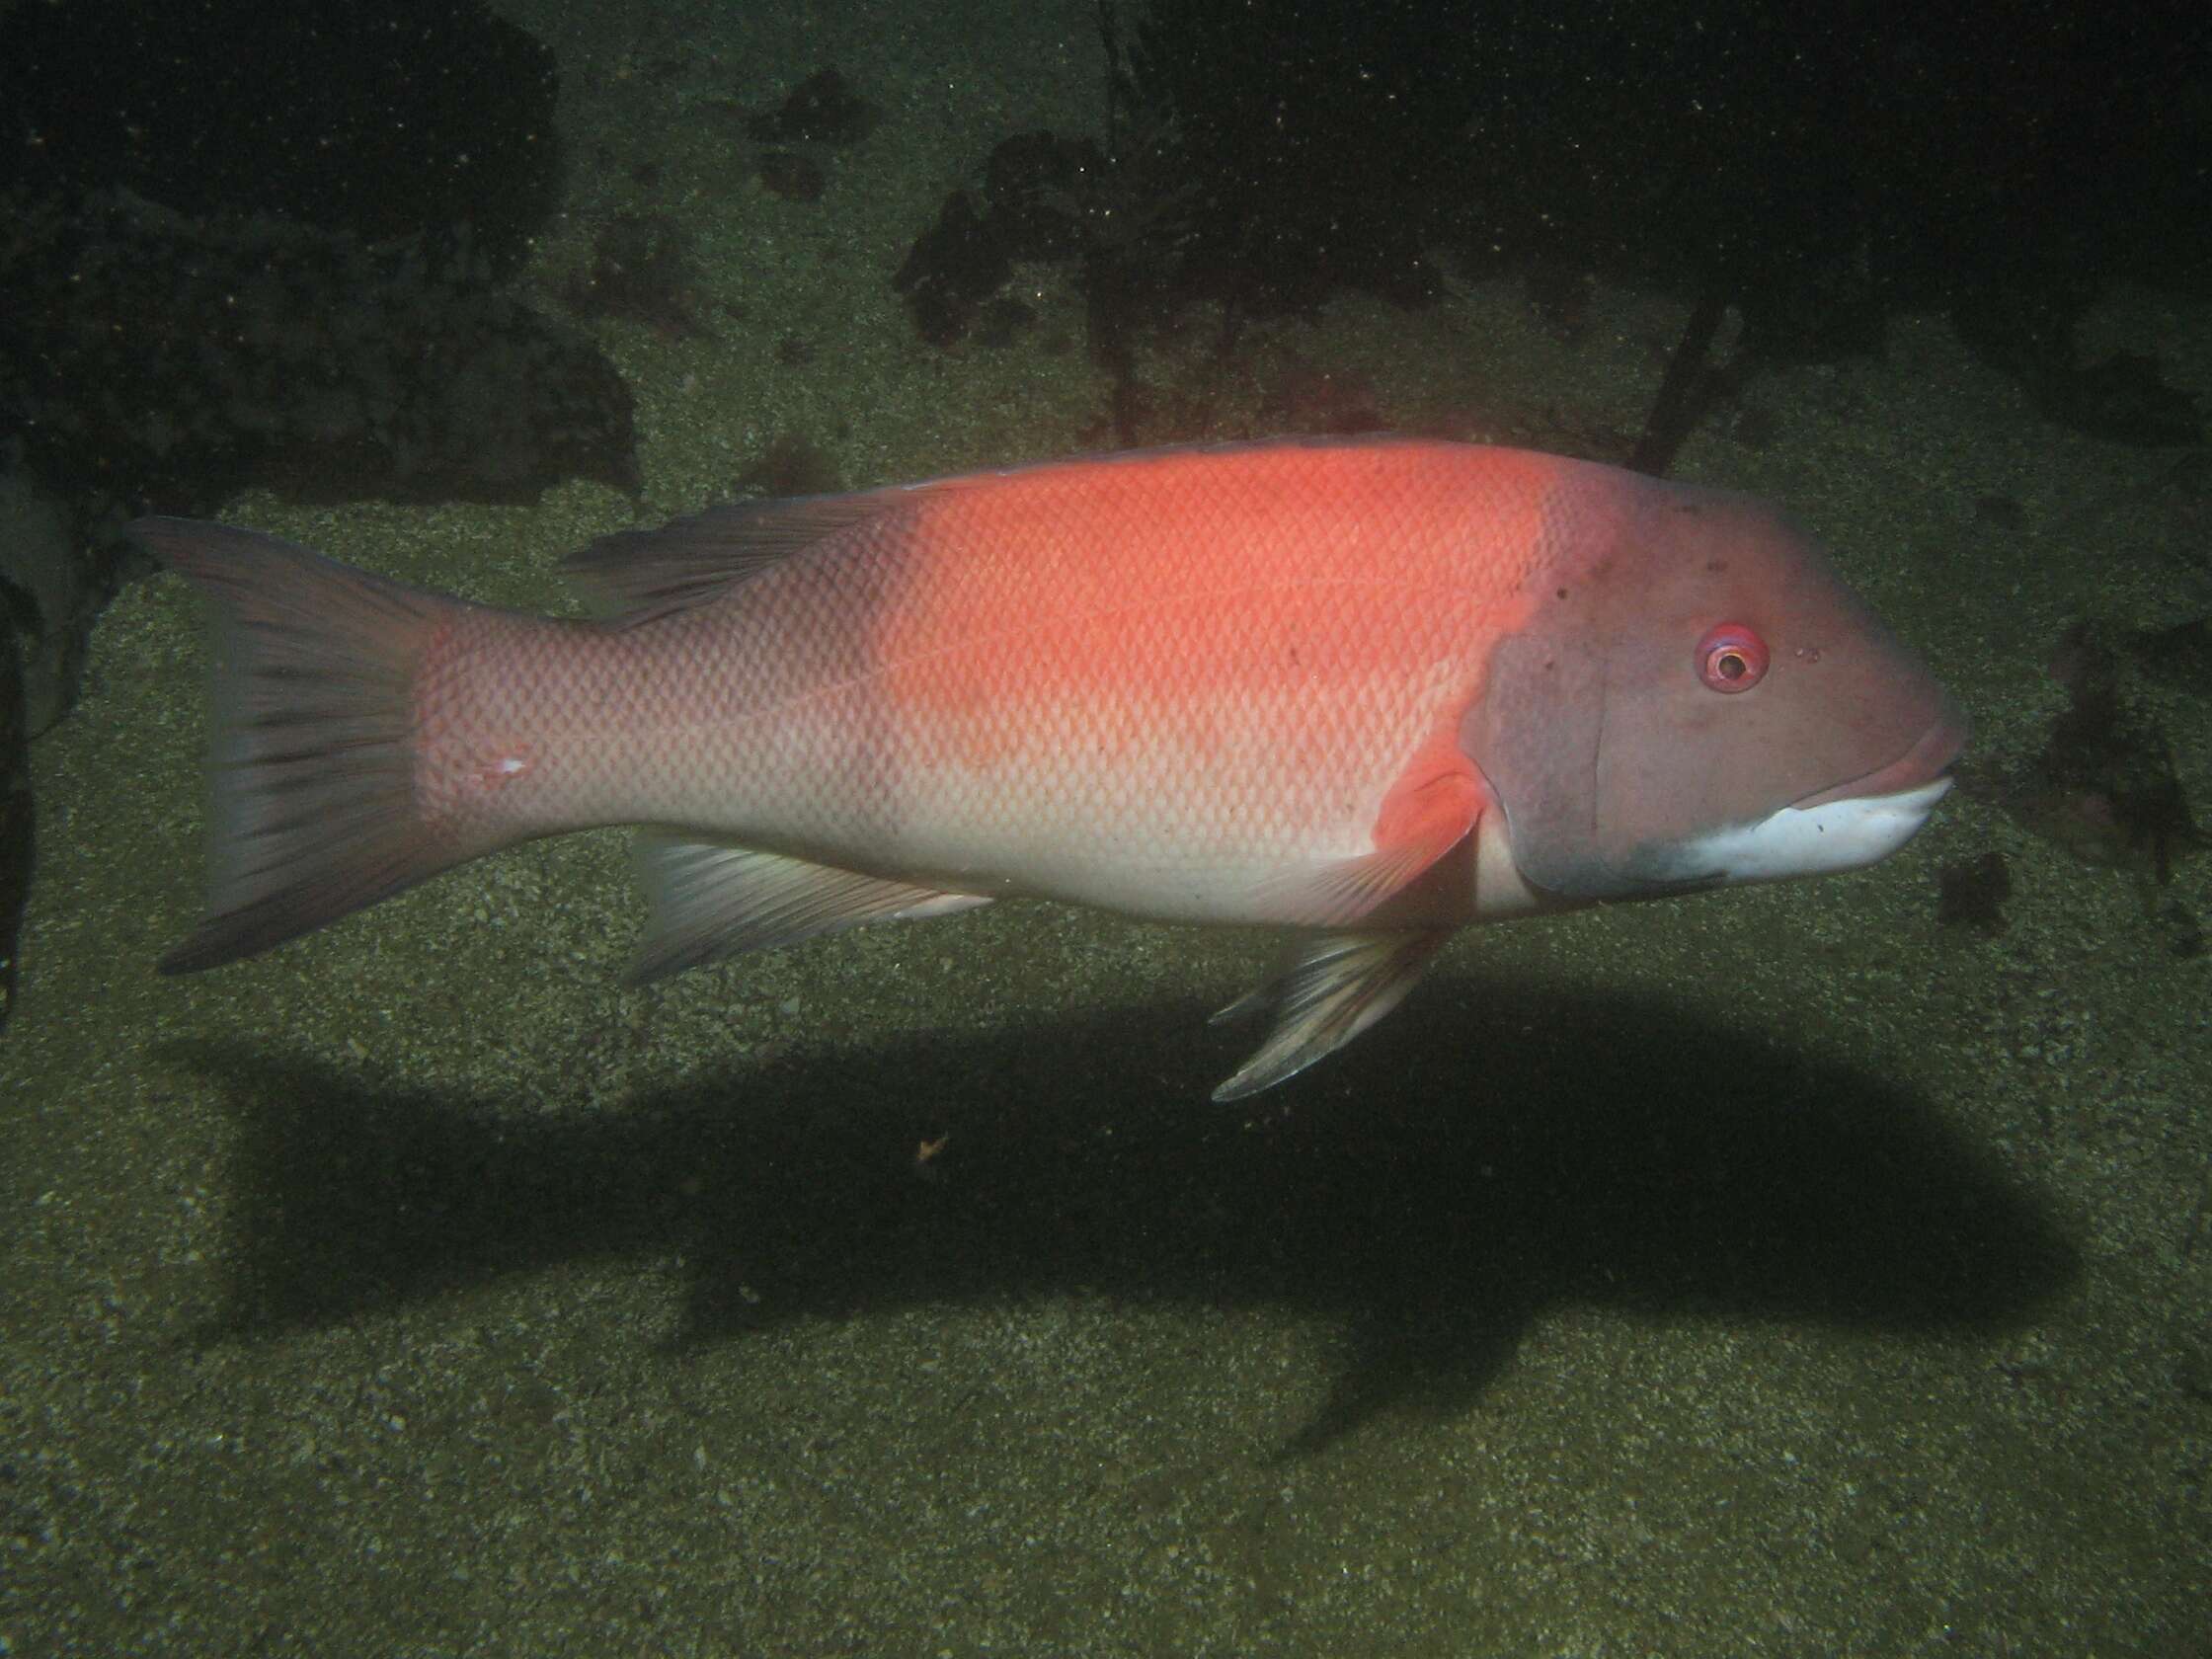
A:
(1367, 690)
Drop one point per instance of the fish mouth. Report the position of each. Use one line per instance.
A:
(1843, 827)
(1849, 832)
(1926, 762)
(1838, 832)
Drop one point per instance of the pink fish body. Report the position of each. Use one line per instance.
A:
(1371, 689)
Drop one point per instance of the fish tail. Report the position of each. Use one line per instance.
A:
(314, 812)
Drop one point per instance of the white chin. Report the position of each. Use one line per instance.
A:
(1815, 840)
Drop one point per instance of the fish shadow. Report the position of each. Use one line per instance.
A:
(1432, 1191)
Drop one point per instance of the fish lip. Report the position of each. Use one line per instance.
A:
(1927, 762)
(1848, 830)
(1843, 827)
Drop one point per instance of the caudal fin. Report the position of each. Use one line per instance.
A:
(313, 811)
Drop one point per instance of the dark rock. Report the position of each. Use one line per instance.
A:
(1971, 893)
(1809, 304)
(1047, 198)
(954, 265)
(2027, 330)
(389, 119)
(792, 175)
(1002, 321)
(2124, 399)
(173, 361)
(54, 585)
(2183, 932)
(16, 818)
(1036, 184)
(1261, 155)
(2180, 654)
(2105, 786)
(792, 465)
(642, 272)
(1754, 425)
(1561, 295)
(1306, 397)
(823, 109)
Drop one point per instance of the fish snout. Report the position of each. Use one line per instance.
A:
(1926, 762)
(1850, 825)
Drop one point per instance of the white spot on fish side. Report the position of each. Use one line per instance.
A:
(499, 773)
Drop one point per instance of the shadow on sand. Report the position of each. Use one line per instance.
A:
(1431, 1189)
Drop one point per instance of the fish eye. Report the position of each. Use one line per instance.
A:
(1731, 658)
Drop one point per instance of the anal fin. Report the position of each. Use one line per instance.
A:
(710, 901)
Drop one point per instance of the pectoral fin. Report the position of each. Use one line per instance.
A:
(1428, 811)
(1334, 988)
(711, 901)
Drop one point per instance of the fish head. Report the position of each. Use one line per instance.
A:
(1696, 699)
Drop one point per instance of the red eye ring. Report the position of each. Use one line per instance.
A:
(1731, 658)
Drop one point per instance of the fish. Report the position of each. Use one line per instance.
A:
(1365, 691)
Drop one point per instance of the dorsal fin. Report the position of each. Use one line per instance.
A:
(639, 576)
